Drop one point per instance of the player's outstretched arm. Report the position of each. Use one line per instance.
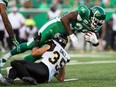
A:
(24, 47)
(6, 20)
(66, 19)
(8, 25)
(36, 51)
(66, 22)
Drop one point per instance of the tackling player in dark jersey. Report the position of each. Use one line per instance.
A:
(54, 59)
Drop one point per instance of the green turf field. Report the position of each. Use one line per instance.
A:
(84, 70)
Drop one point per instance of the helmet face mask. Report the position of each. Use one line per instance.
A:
(98, 17)
(96, 22)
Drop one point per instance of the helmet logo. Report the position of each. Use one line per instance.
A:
(83, 10)
(97, 13)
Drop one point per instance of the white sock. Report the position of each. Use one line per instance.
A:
(7, 56)
(1, 76)
(4, 59)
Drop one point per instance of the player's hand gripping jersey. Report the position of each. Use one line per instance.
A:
(55, 59)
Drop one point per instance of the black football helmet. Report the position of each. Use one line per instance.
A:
(61, 39)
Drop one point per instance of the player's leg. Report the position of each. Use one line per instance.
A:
(24, 47)
(40, 72)
(45, 34)
(13, 73)
(22, 68)
(47, 31)
(19, 66)
(2, 79)
(27, 70)
(31, 58)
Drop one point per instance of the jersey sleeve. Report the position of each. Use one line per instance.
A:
(83, 11)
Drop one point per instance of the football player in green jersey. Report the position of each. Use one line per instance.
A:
(3, 14)
(83, 19)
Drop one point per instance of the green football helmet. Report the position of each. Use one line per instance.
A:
(98, 16)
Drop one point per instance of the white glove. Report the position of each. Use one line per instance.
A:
(3, 80)
(74, 40)
(91, 37)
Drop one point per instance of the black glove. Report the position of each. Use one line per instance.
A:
(37, 36)
(49, 42)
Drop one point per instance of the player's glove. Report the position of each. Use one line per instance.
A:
(74, 40)
(37, 36)
(16, 43)
(3, 81)
(91, 37)
(37, 39)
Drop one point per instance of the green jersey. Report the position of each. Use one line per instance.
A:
(83, 21)
(50, 28)
(4, 2)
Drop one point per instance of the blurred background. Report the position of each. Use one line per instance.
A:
(27, 16)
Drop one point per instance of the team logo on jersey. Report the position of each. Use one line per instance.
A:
(83, 10)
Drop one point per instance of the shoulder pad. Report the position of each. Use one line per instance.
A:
(83, 11)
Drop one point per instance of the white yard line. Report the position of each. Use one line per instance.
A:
(71, 79)
(90, 56)
(74, 62)
(92, 62)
